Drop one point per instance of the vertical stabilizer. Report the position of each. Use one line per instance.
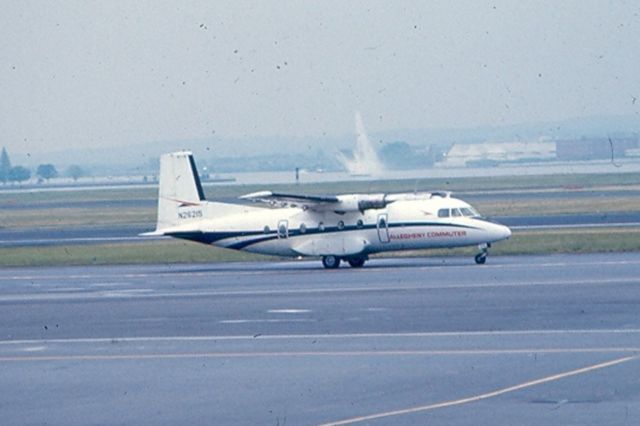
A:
(180, 189)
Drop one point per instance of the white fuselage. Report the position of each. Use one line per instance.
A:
(294, 231)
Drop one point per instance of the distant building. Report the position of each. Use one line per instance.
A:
(491, 153)
(634, 152)
(595, 148)
(400, 155)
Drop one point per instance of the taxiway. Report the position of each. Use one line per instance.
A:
(521, 340)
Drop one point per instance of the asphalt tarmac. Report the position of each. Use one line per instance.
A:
(523, 340)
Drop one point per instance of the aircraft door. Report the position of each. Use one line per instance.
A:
(383, 228)
(283, 229)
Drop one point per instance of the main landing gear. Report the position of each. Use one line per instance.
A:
(333, 262)
(481, 257)
(357, 262)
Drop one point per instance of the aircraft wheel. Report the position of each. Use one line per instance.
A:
(481, 258)
(356, 262)
(330, 262)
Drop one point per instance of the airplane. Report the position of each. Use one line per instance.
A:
(335, 228)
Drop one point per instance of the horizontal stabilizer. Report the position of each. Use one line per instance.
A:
(152, 234)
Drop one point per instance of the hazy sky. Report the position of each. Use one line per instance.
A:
(76, 74)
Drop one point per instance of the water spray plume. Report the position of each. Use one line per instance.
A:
(365, 159)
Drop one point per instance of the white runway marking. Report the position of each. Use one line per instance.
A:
(487, 395)
(34, 348)
(288, 311)
(113, 284)
(249, 321)
(346, 336)
(578, 226)
(285, 354)
(56, 241)
(66, 289)
(125, 293)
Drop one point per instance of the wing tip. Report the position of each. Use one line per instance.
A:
(254, 195)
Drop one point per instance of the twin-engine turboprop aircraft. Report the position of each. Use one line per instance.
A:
(346, 227)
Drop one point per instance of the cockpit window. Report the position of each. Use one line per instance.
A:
(468, 212)
(462, 211)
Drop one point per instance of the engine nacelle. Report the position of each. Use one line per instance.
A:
(361, 202)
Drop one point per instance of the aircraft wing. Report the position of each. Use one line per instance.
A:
(337, 203)
(281, 199)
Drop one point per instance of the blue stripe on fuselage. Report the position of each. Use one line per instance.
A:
(261, 236)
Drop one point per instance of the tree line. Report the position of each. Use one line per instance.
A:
(44, 172)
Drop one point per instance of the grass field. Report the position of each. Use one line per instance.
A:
(173, 251)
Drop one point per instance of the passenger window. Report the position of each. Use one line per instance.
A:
(455, 213)
(443, 213)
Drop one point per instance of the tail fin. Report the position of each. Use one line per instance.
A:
(180, 188)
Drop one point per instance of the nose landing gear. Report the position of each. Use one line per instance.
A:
(481, 257)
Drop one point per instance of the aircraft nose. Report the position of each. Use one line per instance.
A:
(500, 232)
(496, 231)
(506, 232)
